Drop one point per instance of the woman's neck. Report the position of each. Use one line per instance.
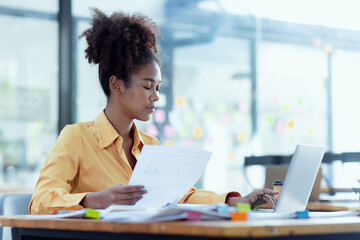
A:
(121, 124)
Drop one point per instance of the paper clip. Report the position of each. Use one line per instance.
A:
(222, 208)
(303, 214)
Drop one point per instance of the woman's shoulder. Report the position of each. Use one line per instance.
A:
(78, 128)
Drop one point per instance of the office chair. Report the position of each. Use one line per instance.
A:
(13, 204)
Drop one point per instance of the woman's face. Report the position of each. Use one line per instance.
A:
(139, 100)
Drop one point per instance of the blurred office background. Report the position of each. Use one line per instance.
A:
(240, 78)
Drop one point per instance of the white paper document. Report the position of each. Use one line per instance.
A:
(169, 213)
(168, 173)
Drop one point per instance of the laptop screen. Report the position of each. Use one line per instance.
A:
(300, 178)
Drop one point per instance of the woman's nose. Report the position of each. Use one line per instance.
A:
(155, 96)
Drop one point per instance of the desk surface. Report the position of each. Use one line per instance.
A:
(329, 206)
(333, 206)
(216, 229)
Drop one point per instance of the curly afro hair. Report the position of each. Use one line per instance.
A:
(120, 44)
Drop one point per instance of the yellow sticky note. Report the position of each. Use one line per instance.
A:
(197, 132)
(91, 213)
(180, 101)
(169, 143)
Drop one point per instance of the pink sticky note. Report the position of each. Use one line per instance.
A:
(152, 130)
(168, 131)
(160, 115)
(210, 140)
(188, 143)
(193, 216)
(276, 100)
(244, 106)
(280, 126)
(225, 118)
(300, 114)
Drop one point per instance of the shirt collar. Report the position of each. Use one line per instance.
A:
(107, 133)
(138, 140)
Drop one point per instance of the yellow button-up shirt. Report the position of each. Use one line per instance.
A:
(88, 157)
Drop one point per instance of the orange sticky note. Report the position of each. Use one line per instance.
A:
(238, 216)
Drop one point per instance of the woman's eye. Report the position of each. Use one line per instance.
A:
(147, 88)
(158, 88)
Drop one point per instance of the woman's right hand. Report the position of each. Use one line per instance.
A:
(117, 194)
(266, 194)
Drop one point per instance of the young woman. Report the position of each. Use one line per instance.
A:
(92, 162)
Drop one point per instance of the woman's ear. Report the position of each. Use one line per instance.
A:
(116, 85)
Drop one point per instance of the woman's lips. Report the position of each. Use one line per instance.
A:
(151, 108)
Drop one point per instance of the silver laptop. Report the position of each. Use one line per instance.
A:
(300, 178)
(278, 172)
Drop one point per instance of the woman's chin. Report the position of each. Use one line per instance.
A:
(144, 118)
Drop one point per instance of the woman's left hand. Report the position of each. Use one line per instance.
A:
(266, 194)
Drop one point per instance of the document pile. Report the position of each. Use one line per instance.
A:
(126, 213)
(189, 212)
(192, 212)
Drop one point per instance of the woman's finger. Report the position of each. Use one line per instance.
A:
(261, 192)
(130, 195)
(270, 199)
(128, 201)
(127, 189)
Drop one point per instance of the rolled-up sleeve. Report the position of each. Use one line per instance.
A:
(206, 197)
(52, 191)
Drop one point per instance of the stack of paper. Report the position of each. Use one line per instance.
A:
(124, 213)
(135, 214)
(169, 213)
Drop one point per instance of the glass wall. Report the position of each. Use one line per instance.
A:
(90, 99)
(211, 106)
(28, 90)
(346, 100)
(238, 82)
(240, 78)
(292, 106)
(87, 81)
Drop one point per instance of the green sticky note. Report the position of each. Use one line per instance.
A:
(243, 207)
(286, 108)
(91, 213)
(310, 131)
(301, 101)
(271, 119)
(184, 132)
